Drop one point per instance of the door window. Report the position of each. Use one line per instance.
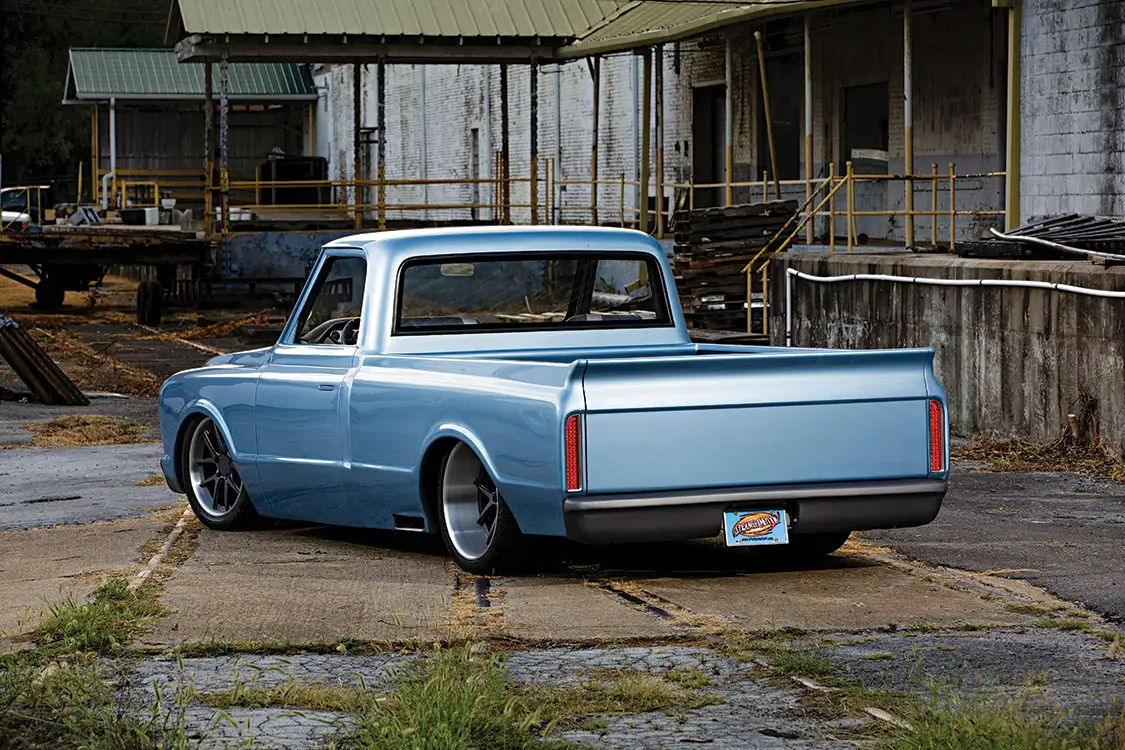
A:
(331, 314)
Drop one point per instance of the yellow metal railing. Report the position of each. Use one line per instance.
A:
(821, 201)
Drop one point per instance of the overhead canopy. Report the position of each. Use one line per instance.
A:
(155, 74)
(445, 31)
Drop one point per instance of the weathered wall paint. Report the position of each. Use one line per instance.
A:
(265, 254)
(1014, 361)
(1073, 136)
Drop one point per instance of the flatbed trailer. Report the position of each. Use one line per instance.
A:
(76, 258)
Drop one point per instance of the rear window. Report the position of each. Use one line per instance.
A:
(476, 294)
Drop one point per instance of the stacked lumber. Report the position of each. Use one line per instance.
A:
(712, 247)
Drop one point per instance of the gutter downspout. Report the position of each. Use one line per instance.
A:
(558, 141)
(636, 129)
(112, 154)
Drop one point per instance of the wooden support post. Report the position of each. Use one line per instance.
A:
(357, 126)
(224, 154)
(505, 161)
(728, 127)
(933, 205)
(95, 160)
(533, 125)
(208, 149)
(1012, 151)
(646, 137)
(766, 111)
(381, 115)
(952, 207)
(596, 74)
(908, 119)
(850, 187)
(832, 206)
(660, 141)
(809, 234)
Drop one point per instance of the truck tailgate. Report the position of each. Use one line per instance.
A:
(728, 420)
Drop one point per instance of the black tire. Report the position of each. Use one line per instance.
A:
(49, 294)
(241, 514)
(813, 547)
(150, 303)
(506, 550)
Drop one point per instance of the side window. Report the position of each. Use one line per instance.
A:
(331, 314)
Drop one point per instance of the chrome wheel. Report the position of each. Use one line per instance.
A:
(214, 479)
(470, 503)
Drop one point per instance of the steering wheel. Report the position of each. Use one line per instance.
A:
(335, 331)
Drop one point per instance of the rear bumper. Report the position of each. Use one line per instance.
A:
(814, 508)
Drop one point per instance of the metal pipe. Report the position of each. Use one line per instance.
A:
(1012, 155)
(808, 122)
(728, 105)
(112, 173)
(224, 148)
(95, 160)
(908, 118)
(660, 140)
(646, 138)
(1055, 245)
(790, 273)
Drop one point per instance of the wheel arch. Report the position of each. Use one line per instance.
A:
(190, 417)
(438, 445)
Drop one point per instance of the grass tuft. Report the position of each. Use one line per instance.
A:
(1061, 455)
(71, 704)
(310, 696)
(111, 617)
(954, 721)
(451, 700)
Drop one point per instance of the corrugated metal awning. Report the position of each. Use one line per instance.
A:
(408, 18)
(156, 74)
(648, 22)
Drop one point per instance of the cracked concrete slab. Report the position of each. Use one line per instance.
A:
(293, 586)
(849, 597)
(559, 609)
(43, 566)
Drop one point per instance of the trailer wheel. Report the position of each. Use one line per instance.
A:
(49, 294)
(150, 303)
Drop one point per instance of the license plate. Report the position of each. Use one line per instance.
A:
(745, 528)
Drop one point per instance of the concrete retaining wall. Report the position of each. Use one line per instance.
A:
(1014, 361)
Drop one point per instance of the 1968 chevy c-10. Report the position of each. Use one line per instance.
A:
(494, 384)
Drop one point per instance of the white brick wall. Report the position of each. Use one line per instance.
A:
(1073, 125)
(957, 117)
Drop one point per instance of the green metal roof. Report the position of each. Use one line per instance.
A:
(411, 18)
(125, 74)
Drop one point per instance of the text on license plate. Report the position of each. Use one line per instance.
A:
(753, 527)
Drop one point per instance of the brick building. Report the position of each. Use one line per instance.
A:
(443, 121)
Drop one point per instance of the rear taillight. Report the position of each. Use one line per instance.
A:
(574, 453)
(937, 437)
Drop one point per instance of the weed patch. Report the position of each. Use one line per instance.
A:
(111, 617)
(299, 695)
(952, 721)
(85, 430)
(1061, 455)
(70, 704)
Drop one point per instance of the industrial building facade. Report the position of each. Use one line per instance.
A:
(443, 122)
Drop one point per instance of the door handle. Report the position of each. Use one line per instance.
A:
(326, 387)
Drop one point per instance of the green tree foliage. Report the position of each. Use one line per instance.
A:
(40, 138)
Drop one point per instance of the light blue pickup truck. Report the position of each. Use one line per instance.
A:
(492, 385)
